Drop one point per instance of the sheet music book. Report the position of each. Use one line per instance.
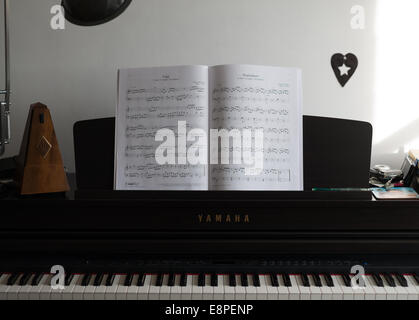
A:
(227, 127)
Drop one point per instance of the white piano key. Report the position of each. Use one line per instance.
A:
(402, 293)
(369, 290)
(13, 292)
(110, 292)
(219, 289)
(305, 293)
(24, 291)
(208, 290)
(251, 292)
(144, 290)
(34, 292)
(165, 289)
(327, 293)
(348, 293)
(337, 293)
(68, 290)
(262, 290)
(154, 292)
(3, 286)
(121, 291)
(294, 289)
(380, 293)
(46, 288)
(56, 294)
(90, 289)
(176, 290)
(132, 291)
(196, 289)
(315, 292)
(391, 293)
(272, 291)
(239, 290)
(359, 292)
(413, 288)
(229, 292)
(78, 290)
(100, 290)
(186, 292)
(283, 291)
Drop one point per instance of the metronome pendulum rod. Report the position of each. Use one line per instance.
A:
(5, 104)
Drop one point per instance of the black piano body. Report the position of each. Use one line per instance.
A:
(211, 232)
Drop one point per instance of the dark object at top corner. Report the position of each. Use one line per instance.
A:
(93, 12)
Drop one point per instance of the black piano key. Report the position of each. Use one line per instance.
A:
(183, 280)
(110, 280)
(317, 280)
(159, 280)
(390, 280)
(329, 280)
(243, 278)
(201, 280)
(416, 278)
(86, 279)
(68, 278)
(172, 279)
(141, 280)
(402, 280)
(128, 280)
(25, 278)
(377, 279)
(274, 280)
(346, 279)
(256, 280)
(304, 278)
(214, 280)
(98, 280)
(12, 279)
(286, 279)
(37, 279)
(232, 280)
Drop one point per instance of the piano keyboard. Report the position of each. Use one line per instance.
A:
(100, 286)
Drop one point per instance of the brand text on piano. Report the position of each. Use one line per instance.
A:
(223, 218)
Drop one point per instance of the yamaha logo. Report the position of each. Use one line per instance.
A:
(223, 218)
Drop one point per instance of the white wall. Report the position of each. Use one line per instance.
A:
(74, 71)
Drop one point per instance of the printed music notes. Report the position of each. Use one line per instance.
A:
(252, 97)
(234, 98)
(151, 99)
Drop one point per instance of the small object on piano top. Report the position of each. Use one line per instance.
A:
(40, 167)
(395, 194)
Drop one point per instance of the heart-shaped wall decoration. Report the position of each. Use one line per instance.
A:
(344, 66)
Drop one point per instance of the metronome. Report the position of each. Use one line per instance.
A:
(40, 167)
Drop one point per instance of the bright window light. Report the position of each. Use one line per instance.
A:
(396, 111)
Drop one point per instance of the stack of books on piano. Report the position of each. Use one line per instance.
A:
(410, 170)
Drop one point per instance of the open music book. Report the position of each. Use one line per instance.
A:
(230, 127)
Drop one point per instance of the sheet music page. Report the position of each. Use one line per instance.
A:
(150, 99)
(255, 98)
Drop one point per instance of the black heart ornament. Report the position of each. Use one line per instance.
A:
(344, 67)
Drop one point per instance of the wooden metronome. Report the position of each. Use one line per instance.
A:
(40, 167)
